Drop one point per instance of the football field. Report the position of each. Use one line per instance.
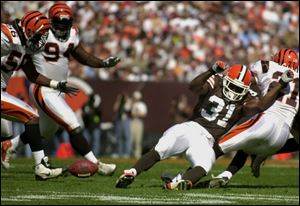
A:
(277, 185)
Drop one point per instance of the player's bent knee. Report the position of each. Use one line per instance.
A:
(77, 130)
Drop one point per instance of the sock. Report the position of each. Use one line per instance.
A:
(146, 161)
(133, 170)
(33, 137)
(79, 143)
(194, 174)
(237, 162)
(38, 156)
(24, 138)
(91, 157)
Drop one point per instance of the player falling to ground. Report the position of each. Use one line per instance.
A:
(267, 133)
(53, 62)
(19, 42)
(220, 105)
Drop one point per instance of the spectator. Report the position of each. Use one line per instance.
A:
(122, 108)
(159, 41)
(138, 112)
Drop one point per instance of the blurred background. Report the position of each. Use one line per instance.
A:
(162, 46)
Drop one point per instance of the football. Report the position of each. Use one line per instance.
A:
(83, 168)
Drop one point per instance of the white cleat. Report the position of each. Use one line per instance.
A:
(44, 171)
(106, 169)
(218, 182)
(6, 153)
(179, 185)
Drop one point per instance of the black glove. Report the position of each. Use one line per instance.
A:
(286, 77)
(63, 87)
(219, 66)
(111, 61)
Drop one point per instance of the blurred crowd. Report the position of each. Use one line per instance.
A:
(173, 40)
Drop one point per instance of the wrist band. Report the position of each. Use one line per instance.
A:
(53, 84)
(283, 83)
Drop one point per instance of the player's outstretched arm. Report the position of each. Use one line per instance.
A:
(83, 57)
(256, 106)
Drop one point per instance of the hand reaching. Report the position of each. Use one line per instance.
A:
(111, 61)
(64, 87)
(286, 77)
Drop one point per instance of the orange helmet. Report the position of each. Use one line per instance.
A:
(35, 27)
(60, 15)
(236, 83)
(287, 57)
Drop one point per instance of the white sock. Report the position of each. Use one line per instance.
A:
(91, 157)
(133, 170)
(226, 174)
(17, 143)
(38, 156)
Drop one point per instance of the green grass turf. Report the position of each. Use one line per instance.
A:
(278, 185)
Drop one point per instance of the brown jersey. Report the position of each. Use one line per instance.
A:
(214, 112)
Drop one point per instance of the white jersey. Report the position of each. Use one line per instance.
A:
(53, 61)
(13, 54)
(286, 106)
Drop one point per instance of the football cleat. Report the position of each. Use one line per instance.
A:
(125, 179)
(179, 185)
(106, 169)
(44, 171)
(218, 182)
(6, 153)
(256, 162)
(166, 178)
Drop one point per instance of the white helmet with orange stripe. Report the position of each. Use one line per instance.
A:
(236, 83)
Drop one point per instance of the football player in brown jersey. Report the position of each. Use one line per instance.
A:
(271, 133)
(221, 104)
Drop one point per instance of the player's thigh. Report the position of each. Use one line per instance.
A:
(274, 140)
(15, 109)
(54, 105)
(248, 135)
(174, 141)
(200, 153)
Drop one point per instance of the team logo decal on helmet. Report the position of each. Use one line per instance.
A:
(236, 83)
(60, 15)
(35, 27)
(287, 57)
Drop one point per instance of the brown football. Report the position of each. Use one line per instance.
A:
(83, 168)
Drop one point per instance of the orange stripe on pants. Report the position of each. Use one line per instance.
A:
(12, 110)
(37, 91)
(239, 129)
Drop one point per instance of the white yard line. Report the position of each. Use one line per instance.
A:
(188, 198)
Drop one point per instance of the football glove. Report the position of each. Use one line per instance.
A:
(111, 61)
(219, 66)
(62, 86)
(286, 77)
